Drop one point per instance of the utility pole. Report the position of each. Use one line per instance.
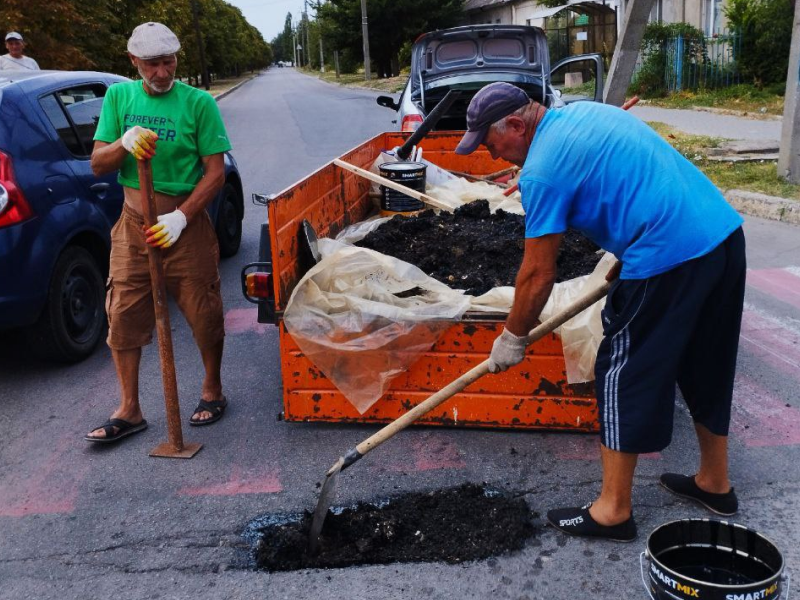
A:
(628, 45)
(789, 157)
(201, 51)
(365, 35)
(321, 55)
(294, 47)
(308, 44)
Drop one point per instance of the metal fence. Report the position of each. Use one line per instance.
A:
(691, 64)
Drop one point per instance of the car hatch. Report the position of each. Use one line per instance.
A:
(470, 49)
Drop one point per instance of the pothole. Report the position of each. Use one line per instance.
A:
(470, 522)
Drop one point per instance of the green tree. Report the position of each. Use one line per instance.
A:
(392, 23)
(766, 30)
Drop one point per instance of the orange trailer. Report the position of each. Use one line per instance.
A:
(532, 395)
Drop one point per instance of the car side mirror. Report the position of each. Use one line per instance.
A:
(388, 102)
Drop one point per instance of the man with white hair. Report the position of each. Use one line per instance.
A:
(184, 126)
(15, 60)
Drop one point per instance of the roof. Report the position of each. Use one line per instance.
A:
(471, 5)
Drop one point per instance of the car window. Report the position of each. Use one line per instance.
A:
(82, 105)
(52, 108)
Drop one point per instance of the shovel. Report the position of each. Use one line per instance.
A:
(328, 492)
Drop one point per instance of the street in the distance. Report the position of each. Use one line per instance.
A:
(83, 521)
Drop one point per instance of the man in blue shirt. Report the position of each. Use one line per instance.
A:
(674, 314)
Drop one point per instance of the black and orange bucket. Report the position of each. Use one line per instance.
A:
(409, 174)
(712, 560)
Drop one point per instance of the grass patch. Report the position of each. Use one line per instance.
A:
(759, 177)
(391, 85)
(737, 98)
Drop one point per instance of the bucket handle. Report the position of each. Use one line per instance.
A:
(788, 579)
(642, 556)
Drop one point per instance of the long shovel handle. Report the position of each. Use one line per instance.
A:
(429, 200)
(405, 150)
(476, 373)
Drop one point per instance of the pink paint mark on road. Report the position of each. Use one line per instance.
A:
(780, 283)
(431, 453)
(760, 419)
(50, 486)
(244, 320)
(239, 483)
(772, 342)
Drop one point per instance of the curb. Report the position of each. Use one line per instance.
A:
(221, 95)
(765, 207)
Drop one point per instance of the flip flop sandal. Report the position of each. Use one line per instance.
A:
(124, 429)
(215, 407)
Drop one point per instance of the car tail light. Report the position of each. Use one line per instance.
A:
(14, 208)
(259, 284)
(411, 123)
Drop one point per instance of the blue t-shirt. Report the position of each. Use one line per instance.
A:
(602, 171)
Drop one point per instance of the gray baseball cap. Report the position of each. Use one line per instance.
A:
(151, 40)
(13, 35)
(489, 105)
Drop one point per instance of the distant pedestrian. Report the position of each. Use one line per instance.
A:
(15, 60)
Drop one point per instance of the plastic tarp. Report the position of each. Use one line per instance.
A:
(364, 317)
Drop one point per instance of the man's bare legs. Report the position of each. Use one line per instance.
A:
(712, 476)
(127, 363)
(212, 383)
(614, 504)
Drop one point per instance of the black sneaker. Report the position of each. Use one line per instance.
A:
(685, 487)
(578, 522)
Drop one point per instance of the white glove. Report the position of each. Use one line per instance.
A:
(140, 142)
(507, 351)
(168, 229)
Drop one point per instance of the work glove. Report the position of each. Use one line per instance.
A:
(507, 351)
(140, 142)
(167, 230)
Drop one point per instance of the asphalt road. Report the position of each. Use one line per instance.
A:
(80, 521)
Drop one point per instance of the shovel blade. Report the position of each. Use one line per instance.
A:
(326, 497)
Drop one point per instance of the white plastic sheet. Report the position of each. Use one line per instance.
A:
(364, 317)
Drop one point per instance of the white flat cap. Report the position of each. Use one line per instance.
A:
(13, 35)
(150, 40)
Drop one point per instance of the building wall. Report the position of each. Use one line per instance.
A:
(500, 14)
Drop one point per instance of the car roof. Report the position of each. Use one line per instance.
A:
(31, 81)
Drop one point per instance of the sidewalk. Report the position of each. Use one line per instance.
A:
(701, 122)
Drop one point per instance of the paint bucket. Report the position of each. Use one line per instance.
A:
(712, 560)
(409, 174)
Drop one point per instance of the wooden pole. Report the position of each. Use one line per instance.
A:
(174, 448)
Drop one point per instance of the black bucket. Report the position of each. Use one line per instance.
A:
(712, 560)
(409, 174)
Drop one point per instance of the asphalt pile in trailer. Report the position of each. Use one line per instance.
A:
(452, 525)
(472, 249)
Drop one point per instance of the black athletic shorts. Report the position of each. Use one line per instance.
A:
(680, 327)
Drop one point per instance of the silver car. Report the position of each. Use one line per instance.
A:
(467, 58)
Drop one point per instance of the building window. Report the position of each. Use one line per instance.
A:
(656, 13)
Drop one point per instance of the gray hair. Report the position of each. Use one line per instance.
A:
(499, 127)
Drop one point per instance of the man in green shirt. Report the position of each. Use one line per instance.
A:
(180, 129)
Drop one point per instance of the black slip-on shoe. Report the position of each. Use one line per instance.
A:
(578, 522)
(685, 487)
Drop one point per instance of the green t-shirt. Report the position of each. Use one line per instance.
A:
(188, 124)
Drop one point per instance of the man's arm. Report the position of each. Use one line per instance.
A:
(107, 157)
(212, 181)
(535, 280)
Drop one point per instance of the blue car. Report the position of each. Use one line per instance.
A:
(56, 215)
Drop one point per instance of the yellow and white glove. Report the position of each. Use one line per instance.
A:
(507, 351)
(140, 142)
(167, 230)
